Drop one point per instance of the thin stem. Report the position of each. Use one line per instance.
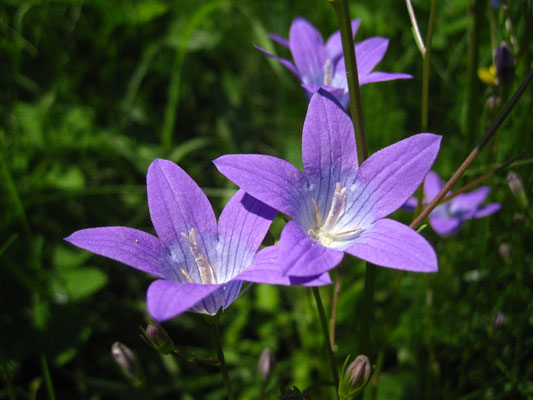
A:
(474, 14)
(220, 355)
(47, 379)
(483, 178)
(471, 157)
(334, 301)
(425, 65)
(343, 17)
(416, 31)
(198, 360)
(329, 350)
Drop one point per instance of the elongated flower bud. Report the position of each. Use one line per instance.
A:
(265, 364)
(127, 362)
(517, 188)
(159, 338)
(504, 63)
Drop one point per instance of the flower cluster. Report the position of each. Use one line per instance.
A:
(336, 206)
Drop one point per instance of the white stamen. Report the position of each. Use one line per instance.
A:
(205, 269)
(328, 72)
(325, 233)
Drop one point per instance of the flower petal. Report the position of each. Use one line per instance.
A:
(266, 268)
(275, 182)
(129, 246)
(308, 51)
(391, 244)
(388, 178)
(487, 210)
(289, 65)
(328, 141)
(242, 227)
(467, 203)
(279, 39)
(300, 255)
(432, 185)
(340, 94)
(166, 299)
(334, 42)
(382, 77)
(177, 203)
(369, 53)
(445, 226)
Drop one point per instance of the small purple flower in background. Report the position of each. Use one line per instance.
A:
(447, 218)
(202, 264)
(318, 64)
(337, 207)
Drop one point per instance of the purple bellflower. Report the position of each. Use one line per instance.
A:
(318, 64)
(447, 218)
(201, 263)
(337, 207)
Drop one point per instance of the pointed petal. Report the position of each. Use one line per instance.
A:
(382, 77)
(467, 203)
(275, 182)
(339, 93)
(487, 210)
(177, 203)
(279, 39)
(390, 244)
(308, 51)
(286, 63)
(369, 53)
(334, 43)
(167, 299)
(388, 178)
(445, 226)
(432, 185)
(242, 227)
(266, 268)
(300, 255)
(129, 246)
(328, 141)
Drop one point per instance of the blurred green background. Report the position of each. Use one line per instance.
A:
(92, 91)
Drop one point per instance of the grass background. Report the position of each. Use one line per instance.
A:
(91, 92)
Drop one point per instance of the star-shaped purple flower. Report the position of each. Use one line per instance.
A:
(202, 264)
(337, 207)
(318, 64)
(447, 218)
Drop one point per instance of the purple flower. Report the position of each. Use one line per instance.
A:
(202, 264)
(337, 207)
(318, 64)
(447, 218)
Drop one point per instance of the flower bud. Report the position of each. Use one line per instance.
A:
(504, 63)
(127, 362)
(358, 371)
(355, 378)
(505, 251)
(265, 364)
(517, 188)
(159, 339)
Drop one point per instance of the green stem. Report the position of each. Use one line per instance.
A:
(343, 17)
(475, 14)
(334, 302)
(471, 157)
(220, 355)
(324, 326)
(47, 379)
(425, 66)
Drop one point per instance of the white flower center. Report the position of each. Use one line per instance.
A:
(328, 72)
(326, 233)
(205, 269)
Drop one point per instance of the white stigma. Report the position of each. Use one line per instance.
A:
(205, 269)
(325, 233)
(328, 72)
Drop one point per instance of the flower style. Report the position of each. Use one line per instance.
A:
(337, 207)
(202, 264)
(322, 65)
(447, 218)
